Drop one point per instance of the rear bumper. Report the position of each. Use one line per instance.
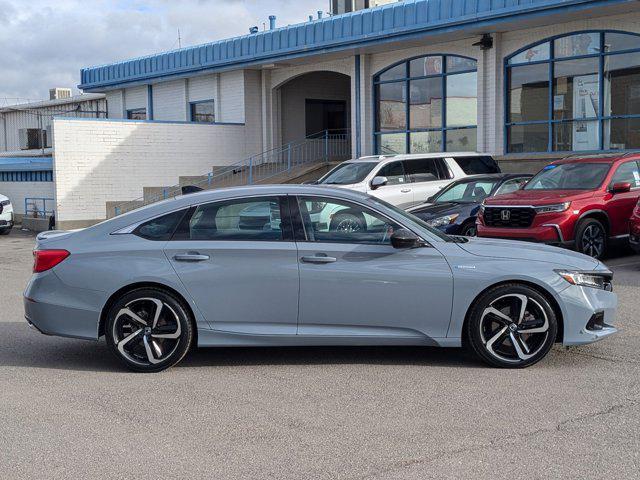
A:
(54, 308)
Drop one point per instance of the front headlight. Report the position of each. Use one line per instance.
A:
(442, 221)
(558, 207)
(5, 203)
(601, 280)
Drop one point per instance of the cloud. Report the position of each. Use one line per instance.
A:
(44, 44)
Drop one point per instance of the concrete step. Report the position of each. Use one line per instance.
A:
(111, 206)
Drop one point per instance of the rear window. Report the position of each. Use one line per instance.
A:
(161, 228)
(477, 165)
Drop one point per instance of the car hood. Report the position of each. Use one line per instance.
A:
(538, 197)
(3, 198)
(519, 250)
(435, 210)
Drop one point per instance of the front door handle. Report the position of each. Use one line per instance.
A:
(319, 259)
(406, 190)
(191, 257)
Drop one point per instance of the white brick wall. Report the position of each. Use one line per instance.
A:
(232, 97)
(18, 191)
(203, 88)
(170, 101)
(100, 161)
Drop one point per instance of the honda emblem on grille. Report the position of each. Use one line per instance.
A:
(505, 215)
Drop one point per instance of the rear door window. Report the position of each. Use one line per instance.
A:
(477, 165)
(422, 170)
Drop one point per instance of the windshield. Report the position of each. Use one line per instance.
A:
(473, 191)
(569, 176)
(348, 173)
(412, 218)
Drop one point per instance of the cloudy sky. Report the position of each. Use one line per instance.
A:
(45, 43)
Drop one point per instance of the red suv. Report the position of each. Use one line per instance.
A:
(579, 202)
(634, 228)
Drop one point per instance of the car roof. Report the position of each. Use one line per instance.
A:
(491, 176)
(415, 156)
(599, 158)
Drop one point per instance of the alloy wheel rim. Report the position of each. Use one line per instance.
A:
(514, 328)
(592, 241)
(470, 232)
(349, 225)
(147, 331)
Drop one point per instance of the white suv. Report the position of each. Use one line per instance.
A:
(407, 180)
(6, 215)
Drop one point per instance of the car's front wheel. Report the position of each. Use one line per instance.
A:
(149, 330)
(591, 238)
(5, 231)
(511, 326)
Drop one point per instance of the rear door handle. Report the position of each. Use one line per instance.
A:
(191, 257)
(405, 190)
(319, 259)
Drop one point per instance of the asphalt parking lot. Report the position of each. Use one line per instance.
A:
(68, 410)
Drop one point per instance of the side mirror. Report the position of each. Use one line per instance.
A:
(378, 182)
(403, 238)
(430, 199)
(621, 187)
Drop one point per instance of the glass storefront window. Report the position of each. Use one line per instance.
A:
(576, 90)
(426, 103)
(528, 138)
(594, 100)
(392, 106)
(462, 99)
(532, 54)
(576, 45)
(462, 140)
(411, 110)
(529, 93)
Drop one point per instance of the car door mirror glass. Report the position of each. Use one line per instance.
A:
(403, 238)
(378, 182)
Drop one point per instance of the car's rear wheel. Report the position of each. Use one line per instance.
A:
(5, 231)
(591, 238)
(511, 326)
(149, 330)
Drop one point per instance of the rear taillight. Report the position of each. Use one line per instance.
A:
(44, 260)
(636, 211)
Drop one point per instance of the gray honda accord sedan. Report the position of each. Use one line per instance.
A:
(308, 265)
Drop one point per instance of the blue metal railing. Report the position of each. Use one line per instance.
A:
(37, 207)
(322, 147)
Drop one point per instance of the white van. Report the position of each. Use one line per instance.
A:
(407, 180)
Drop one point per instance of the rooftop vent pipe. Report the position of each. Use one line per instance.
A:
(253, 30)
(319, 14)
(272, 22)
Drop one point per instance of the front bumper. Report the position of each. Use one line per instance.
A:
(6, 220)
(549, 234)
(579, 305)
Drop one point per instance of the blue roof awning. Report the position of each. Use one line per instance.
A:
(26, 164)
(393, 22)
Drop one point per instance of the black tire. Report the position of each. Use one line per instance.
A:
(154, 347)
(469, 229)
(491, 337)
(591, 238)
(348, 222)
(5, 231)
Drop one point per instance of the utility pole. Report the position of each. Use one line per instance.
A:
(179, 40)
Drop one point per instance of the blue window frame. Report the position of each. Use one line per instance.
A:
(426, 104)
(202, 111)
(575, 92)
